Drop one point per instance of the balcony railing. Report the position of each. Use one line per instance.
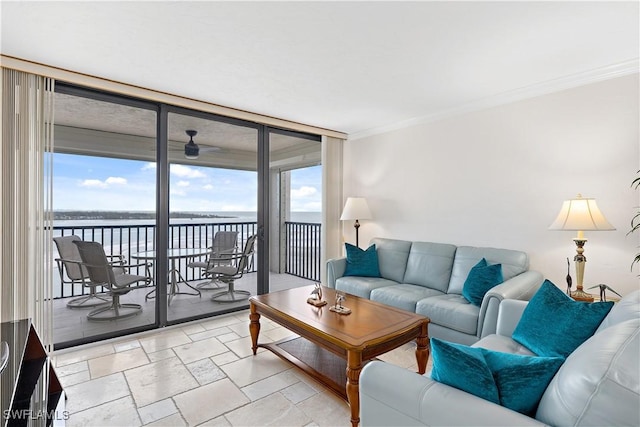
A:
(302, 247)
(303, 250)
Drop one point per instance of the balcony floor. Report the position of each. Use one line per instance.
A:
(72, 324)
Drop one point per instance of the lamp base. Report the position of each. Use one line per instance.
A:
(580, 295)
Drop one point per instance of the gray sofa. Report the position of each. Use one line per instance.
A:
(598, 384)
(427, 278)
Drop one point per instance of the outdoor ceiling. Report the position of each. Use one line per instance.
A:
(354, 67)
(96, 127)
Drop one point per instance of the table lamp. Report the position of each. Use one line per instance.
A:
(356, 208)
(580, 214)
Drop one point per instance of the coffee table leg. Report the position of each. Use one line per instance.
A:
(254, 328)
(354, 366)
(422, 349)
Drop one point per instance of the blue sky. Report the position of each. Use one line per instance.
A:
(98, 183)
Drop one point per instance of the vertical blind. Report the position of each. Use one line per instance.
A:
(25, 202)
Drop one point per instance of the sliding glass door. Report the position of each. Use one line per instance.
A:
(295, 213)
(104, 191)
(213, 214)
(207, 210)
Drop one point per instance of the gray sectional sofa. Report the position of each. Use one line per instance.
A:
(427, 278)
(598, 384)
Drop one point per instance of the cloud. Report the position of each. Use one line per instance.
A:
(183, 183)
(185, 171)
(207, 187)
(148, 166)
(304, 191)
(116, 180)
(96, 183)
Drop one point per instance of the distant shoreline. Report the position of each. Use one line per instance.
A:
(111, 215)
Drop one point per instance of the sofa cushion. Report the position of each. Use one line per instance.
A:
(392, 257)
(626, 309)
(451, 311)
(402, 296)
(481, 278)
(553, 324)
(598, 383)
(360, 262)
(361, 286)
(504, 344)
(513, 263)
(519, 380)
(430, 264)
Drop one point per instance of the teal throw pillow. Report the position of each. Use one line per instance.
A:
(553, 324)
(521, 380)
(514, 381)
(481, 278)
(362, 263)
(464, 368)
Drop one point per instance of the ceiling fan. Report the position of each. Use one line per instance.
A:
(192, 150)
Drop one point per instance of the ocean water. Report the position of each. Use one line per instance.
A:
(223, 218)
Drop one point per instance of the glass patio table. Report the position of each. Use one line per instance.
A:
(174, 254)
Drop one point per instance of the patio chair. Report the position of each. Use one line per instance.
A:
(238, 265)
(101, 272)
(72, 273)
(224, 243)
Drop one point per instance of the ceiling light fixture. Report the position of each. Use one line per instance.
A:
(191, 149)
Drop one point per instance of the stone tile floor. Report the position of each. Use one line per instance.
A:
(198, 374)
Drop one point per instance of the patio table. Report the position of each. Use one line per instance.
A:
(174, 254)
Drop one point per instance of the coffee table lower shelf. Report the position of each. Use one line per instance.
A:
(321, 364)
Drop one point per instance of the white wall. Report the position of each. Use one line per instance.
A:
(498, 177)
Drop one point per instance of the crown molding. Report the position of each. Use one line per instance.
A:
(538, 89)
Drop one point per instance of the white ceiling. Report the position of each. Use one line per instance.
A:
(355, 67)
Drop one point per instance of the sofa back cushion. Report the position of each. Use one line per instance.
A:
(430, 264)
(392, 257)
(598, 383)
(513, 263)
(627, 308)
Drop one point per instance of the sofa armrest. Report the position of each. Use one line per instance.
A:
(509, 315)
(335, 269)
(520, 287)
(393, 396)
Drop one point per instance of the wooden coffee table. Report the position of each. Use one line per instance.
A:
(369, 331)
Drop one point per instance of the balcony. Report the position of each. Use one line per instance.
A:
(301, 261)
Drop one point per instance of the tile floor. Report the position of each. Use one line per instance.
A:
(198, 374)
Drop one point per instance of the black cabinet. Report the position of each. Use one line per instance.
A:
(30, 393)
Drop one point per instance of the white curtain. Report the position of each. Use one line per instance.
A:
(25, 202)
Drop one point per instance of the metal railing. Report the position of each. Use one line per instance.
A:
(303, 257)
(303, 249)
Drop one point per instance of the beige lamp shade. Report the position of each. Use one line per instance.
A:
(580, 214)
(355, 208)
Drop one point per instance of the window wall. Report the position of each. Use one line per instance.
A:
(124, 178)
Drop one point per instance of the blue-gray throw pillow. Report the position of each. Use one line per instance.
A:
(514, 381)
(464, 368)
(362, 263)
(481, 278)
(553, 324)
